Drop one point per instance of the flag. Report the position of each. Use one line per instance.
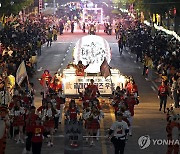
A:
(21, 73)
(105, 69)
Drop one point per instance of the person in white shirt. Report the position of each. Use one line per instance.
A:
(119, 131)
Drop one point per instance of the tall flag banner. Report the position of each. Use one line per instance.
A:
(105, 69)
(21, 73)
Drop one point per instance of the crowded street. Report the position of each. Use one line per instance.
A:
(87, 77)
(148, 119)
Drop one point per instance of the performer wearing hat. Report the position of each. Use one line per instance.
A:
(45, 81)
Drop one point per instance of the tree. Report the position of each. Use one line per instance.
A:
(13, 6)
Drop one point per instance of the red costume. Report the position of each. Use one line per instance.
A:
(56, 86)
(18, 116)
(45, 78)
(72, 113)
(37, 131)
(59, 101)
(131, 102)
(94, 90)
(80, 70)
(163, 91)
(30, 121)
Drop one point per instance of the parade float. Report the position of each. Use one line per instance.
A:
(91, 50)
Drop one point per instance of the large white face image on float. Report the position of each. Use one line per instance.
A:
(92, 50)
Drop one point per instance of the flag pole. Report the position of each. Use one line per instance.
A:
(112, 89)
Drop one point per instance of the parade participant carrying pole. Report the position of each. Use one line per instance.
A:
(105, 71)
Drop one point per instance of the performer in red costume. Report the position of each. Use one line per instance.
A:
(73, 111)
(94, 89)
(56, 83)
(45, 78)
(80, 68)
(45, 81)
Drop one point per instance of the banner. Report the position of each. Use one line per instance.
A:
(21, 73)
(72, 83)
(105, 69)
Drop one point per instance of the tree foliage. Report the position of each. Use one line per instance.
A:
(152, 6)
(13, 6)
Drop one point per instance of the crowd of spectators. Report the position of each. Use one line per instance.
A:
(20, 40)
(155, 49)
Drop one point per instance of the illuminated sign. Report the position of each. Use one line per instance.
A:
(71, 82)
(92, 50)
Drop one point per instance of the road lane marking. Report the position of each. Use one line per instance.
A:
(132, 57)
(40, 69)
(155, 85)
(135, 62)
(153, 88)
(104, 148)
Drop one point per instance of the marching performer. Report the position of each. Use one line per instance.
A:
(18, 113)
(4, 124)
(131, 102)
(60, 104)
(118, 133)
(86, 113)
(48, 117)
(31, 118)
(94, 89)
(45, 81)
(56, 106)
(37, 136)
(85, 97)
(72, 111)
(93, 123)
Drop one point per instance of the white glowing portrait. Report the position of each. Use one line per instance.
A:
(92, 50)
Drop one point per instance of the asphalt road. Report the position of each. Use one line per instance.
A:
(147, 120)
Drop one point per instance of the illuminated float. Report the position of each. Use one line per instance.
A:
(92, 50)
